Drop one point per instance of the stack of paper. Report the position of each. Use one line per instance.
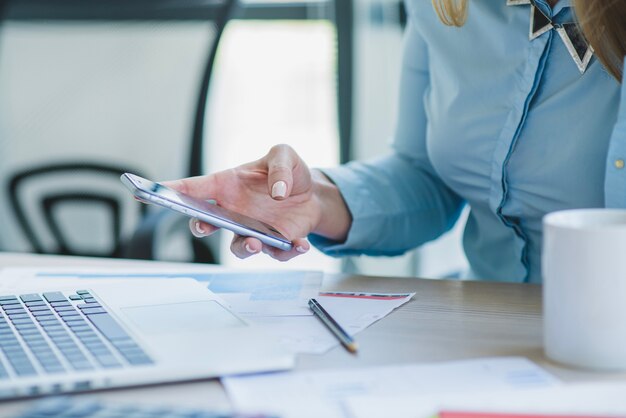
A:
(322, 393)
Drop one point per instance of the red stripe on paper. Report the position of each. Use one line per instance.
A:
(456, 414)
(363, 296)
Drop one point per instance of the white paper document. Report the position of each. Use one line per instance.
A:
(589, 399)
(321, 393)
(353, 311)
(249, 293)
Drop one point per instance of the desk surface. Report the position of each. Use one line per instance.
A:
(446, 320)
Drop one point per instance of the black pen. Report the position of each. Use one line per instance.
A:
(343, 337)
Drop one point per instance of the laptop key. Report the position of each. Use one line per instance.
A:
(54, 368)
(52, 327)
(59, 304)
(18, 316)
(31, 297)
(9, 341)
(54, 297)
(22, 321)
(21, 365)
(27, 331)
(60, 309)
(99, 351)
(50, 323)
(34, 338)
(40, 313)
(108, 326)
(90, 311)
(74, 355)
(77, 326)
(107, 361)
(139, 360)
(14, 309)
(81, 365)
(24, 370)
(73, 322)
(65, 314)
(67, 346)
(89, 337)
(35, 308)
(88, 306)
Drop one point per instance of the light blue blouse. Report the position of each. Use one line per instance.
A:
(489, 119)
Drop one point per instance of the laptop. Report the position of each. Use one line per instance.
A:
(74, 407)
(124, 333)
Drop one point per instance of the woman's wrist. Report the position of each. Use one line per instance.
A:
(334, 216)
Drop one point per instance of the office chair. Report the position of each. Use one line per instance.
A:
(130, 151)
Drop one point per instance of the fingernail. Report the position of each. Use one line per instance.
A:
(249, 249)
(279, 189)
(301, 249)
(199, 229)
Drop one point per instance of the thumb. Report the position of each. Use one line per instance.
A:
(280, 162)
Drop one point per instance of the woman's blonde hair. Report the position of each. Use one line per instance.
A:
(604, 24)
(451, 12)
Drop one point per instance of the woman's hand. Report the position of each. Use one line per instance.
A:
(280, 190)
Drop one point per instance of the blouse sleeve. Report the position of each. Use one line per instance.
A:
(397, 201)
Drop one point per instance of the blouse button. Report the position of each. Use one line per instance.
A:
(619, 164)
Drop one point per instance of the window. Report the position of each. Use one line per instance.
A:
(274, 82)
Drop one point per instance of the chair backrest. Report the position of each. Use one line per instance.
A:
(89, 90)
(52, 201)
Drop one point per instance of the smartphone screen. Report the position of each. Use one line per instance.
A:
(205, 211)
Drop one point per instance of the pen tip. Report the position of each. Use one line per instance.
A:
(352, 347)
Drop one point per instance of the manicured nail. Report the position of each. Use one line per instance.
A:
(249, 249)
(301, 249)
(199, 228)
(279, 189)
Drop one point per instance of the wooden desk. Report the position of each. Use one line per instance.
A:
(447, 320)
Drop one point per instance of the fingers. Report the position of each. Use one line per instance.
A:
(244, 247)
(201, 229)
(138, 199)
(300, 246)
(280, 163)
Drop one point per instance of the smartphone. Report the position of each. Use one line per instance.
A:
(205, 211)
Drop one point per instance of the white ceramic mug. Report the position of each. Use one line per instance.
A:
(584, 291)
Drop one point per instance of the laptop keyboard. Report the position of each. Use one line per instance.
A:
(73, 408)
(50, 333)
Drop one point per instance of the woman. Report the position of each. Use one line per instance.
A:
(515, 126)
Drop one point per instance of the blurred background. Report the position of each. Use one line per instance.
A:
(170, 88)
